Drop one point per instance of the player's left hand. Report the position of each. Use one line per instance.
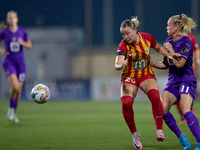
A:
(124, 63)
(175, 56)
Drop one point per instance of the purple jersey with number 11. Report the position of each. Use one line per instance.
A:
(183, 46)
(14, 63)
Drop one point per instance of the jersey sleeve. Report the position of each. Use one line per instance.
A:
(122, 48)
(151, 39)
(195, 44)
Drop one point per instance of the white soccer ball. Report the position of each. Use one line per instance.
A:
(40, 93)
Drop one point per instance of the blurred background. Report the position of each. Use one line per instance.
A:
(75, 43)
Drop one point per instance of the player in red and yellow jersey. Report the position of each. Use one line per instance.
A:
(195, 60)
(133, 58)
(138, 56)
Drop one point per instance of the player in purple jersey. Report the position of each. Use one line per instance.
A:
(15, 38)
(181, 80)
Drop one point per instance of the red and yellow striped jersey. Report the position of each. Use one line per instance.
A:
(195, 47)
(138, 56)
(192, 38)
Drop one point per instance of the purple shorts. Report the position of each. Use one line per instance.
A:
(183, 88)
(11, 68)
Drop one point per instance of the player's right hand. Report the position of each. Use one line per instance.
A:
(124, 63)
(3, 52)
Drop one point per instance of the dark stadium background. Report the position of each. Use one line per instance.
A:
(64, 32)
(70, 13)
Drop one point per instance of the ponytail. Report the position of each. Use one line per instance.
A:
(186, 24)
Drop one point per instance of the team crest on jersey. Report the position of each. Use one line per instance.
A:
(147, 50)
(184, 51)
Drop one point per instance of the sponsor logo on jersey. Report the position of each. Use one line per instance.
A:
(139, 63)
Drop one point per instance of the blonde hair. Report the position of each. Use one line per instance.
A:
(3, 26)
(186, 24)
(133, 23)
(10, 12)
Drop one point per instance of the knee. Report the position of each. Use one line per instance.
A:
(154, 95)
(15, 90)
(127, 102)
(165, 109)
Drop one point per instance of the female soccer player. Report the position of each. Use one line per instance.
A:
(195, 60)
(181, 80)
(133, 56)
(15, 38)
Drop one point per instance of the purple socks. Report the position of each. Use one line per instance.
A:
(13, 103)
(193, 124)
(171, 123)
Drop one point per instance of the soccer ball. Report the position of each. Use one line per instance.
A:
(40, 93)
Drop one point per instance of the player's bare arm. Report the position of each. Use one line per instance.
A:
(120, 62)
(179, 63)
(160, 49)
(25, 44)
(196, 56)
(169, 48)
(160, 65)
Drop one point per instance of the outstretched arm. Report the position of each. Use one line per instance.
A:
(25, 44)
(167, 52)
(160, 65)
(196, 56)
(179, 63)
(160, 49)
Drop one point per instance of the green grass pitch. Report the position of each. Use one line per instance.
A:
(86, 125)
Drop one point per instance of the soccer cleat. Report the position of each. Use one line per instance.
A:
(160, 135)
(16, 120)
(198, 146)
(183, 140)
(136, 141)
(11, 114)
(183, 121)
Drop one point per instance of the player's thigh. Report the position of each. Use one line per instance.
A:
(14, 82)
(168, 99)
(128, 89)
(148, 84)
(185, 102)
